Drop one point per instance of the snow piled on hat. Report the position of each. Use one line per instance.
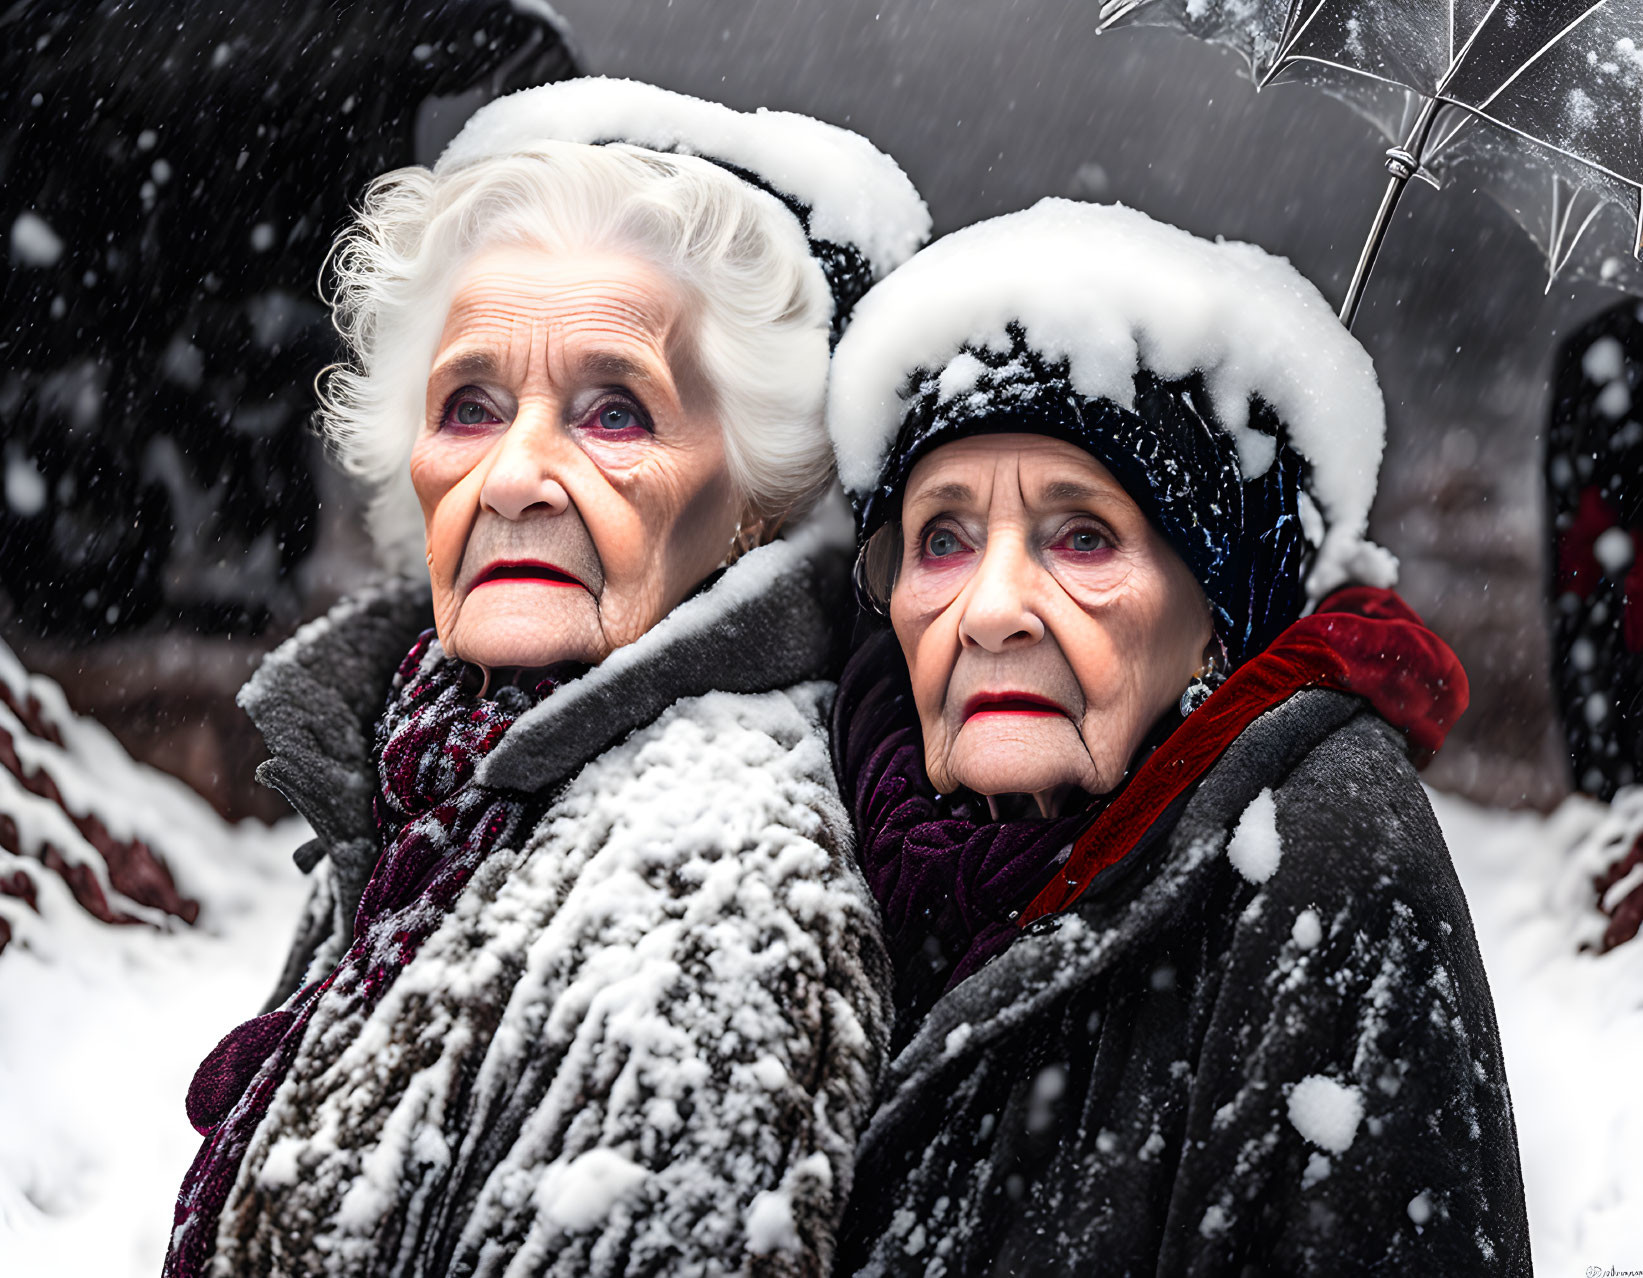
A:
(1116, 294)
(855, 193)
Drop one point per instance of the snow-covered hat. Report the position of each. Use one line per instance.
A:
(1211, 378)
(859, 212)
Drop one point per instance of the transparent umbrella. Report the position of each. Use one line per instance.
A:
(1537, 102)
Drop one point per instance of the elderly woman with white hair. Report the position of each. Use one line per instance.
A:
(589, 982)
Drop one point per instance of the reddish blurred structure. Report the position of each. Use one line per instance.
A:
(1594, 498)
(44, 751)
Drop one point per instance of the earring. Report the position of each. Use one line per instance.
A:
(746, 537)
(1205, 680)
(750, 536)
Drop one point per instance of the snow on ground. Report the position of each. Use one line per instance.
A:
(100, 1032)
(101, 1025)
(1571, 1023)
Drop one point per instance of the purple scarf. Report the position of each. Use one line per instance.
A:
(437, 827)
(949, 880)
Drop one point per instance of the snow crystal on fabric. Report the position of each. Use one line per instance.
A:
(581, 1193)
(1255, 847)
(1326, 1112)
(1114, 292)
(770, 1224)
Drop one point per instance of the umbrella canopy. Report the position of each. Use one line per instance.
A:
(1538, 102)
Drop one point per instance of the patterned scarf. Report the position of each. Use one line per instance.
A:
(437, 827)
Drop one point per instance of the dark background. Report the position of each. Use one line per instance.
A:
(990, 105)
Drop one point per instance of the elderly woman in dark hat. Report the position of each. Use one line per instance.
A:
(590, 983)
(1185, 982)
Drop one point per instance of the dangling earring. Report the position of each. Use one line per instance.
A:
(1208, 677)
(748, 536)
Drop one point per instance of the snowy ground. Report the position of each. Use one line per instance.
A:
(1571, 1022)
(101, 1025)
(100, 1029)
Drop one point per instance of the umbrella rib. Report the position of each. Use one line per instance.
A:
(1457, 58)
(1451, 131)
(1560, 228)
(1358, 71)
(1112, 10)
(1550, 146)
(1563, 250)
(1575, 242)
(1541, 52)
(1558, 219)
(1288, 42)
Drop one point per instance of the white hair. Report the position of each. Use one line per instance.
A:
(760, 301)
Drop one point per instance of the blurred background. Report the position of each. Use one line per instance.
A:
(169, 518)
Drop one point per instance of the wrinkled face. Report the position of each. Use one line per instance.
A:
(1046, 623)
(570, 466)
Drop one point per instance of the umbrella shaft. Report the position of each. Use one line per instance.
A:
(1404, 162)
(1372, 248)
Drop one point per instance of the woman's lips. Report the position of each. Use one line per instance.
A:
(1025, 703)
(532, 570)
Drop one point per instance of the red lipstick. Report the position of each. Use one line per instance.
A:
(533, 570)
(1026, 703)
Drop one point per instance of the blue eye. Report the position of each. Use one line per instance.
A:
(470, 412)
(941, 543)
(616, 417)
(1085, 540)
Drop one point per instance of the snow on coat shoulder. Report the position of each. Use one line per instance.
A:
(1112, 291)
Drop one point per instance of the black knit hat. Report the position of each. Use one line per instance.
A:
(1242, 540)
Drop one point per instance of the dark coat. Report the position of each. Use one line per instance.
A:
(637, 1034)
(1117, 1092)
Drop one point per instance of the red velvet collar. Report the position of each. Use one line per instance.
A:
(1361, 640)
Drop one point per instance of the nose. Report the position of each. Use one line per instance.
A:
(998, 610)
(525, 466)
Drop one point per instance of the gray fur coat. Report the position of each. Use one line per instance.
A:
(647, 1037)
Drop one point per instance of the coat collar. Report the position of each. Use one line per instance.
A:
(316, 699)
(767, 622)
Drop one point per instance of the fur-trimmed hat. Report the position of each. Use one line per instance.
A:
(859, 212)
(1211, 378)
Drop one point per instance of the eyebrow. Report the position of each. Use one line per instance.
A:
(611, 366)
(1061, 490)
(952, 491)
(600, 365)
(478, 364)
(1074, 490)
